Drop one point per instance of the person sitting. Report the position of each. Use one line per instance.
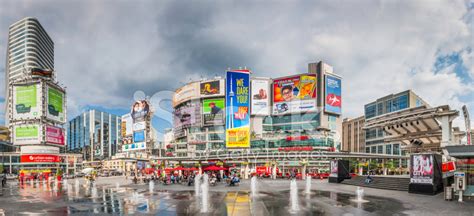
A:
(191, 180)
(234, 180)
(369, 179)
(213, 181)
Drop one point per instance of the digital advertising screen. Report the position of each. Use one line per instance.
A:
(27, 134)
(27, 101)
(54, 135)
(211, 88)
(213, 111)
(140, 111)
(422, 169)
(260, 100)
(333, 99)
(294, 94)
(334, 169)
(138, 136)
(56, 106)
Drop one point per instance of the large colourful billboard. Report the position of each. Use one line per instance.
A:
(333, 98)
(127, 123)
(238, 109)
(27, 101)
(54, 135)
(211, 88)
(260, 98)
(134, 146)
(140, 111)
(139, 136)
(213, 111)
(27, 134)
(422, 169)
(294, 94)
(56, 106)
(187, 115)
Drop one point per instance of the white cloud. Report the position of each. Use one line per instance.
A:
(105, 52)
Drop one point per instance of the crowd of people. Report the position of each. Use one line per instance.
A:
(186, 178)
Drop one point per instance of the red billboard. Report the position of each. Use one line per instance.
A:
(54, 135)
(40, 158)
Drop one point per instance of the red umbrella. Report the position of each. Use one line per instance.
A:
(193, 169)
(213, 168)
(179, 168)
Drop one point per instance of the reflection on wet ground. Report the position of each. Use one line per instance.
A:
(43, 199)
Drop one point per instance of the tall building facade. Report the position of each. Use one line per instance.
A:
(35, 101)
(29, 46)
(95, 134)
(374, 138)
(353, 135)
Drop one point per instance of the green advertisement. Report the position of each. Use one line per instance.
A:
(25, 99)
(213, 111)
(26, 132)
(55, 102)
(212, 106)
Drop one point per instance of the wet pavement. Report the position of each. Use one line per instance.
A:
(273, 199)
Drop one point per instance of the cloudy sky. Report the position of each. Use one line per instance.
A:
(108, 52)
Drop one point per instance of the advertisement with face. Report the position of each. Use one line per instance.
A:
(238, 109)
(140, 111)
(186, 116)
(27, 134)
(334, 169)
(294, 94)
(27, 101)
(211, 88)
(260, 98)
(422, 169)
(185, 93)
(213, 111)
(54, 135)
(333, 98)
(56, 106)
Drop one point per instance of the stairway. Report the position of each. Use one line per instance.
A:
(387, 183)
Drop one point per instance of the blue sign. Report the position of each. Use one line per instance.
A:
(333, 99)
(238, 109)
(139, 136)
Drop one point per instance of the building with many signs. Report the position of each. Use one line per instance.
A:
(36, 102)
(295, 113)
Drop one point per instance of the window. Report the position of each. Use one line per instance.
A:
(373, 149)
(380, 109)
(370, 111)
(396, 149)
(388, 149)
(367, 149)
(379, 149)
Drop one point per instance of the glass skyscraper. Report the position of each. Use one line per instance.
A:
(95, 134)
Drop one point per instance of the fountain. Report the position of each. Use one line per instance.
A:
(205, 194)
(32, 182)
(77, 185)
(197, 184)
(308, 184)
(294, 197)
(151, 186)
(94, 191)
(65, 183)
(253, 186)
(117, 185)
(359, 196)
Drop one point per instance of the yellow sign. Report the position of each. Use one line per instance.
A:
(238, 137)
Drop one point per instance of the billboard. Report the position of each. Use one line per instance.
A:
(134, 146)
(213, 111)
(139, 136)
(127, 123)
(54, 135)
(334, 169)
(238, 109)
(185, 93)
(140, 111)
(260, 101)
(422, 169)
(40, 158)
(186, 116)
(139, 126)
(56, 106)
(27, 134)
(333, 100)
(212, 88)
(294, 94)
(27, 101)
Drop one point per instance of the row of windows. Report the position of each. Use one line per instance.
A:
(380, 149)
(291, 127)
(295, 143)
(288, 119)
(391, 105)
